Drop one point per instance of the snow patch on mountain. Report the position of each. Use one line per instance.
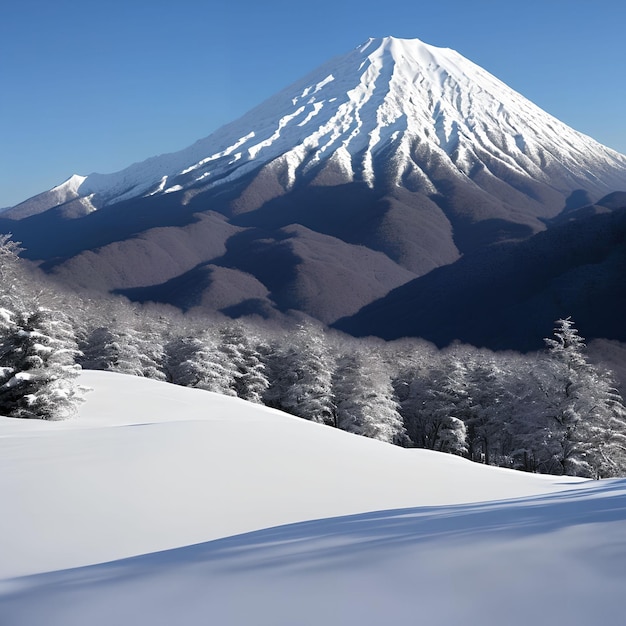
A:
(69, 188)
(160, 188)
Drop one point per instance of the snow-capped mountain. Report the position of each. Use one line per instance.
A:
(393, 96)
(376, 168)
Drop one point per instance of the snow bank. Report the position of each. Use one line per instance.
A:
(378, 534)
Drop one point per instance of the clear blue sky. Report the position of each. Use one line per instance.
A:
(95, 86)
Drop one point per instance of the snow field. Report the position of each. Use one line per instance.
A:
(198, 488)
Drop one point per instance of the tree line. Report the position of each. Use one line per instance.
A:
(550, 412)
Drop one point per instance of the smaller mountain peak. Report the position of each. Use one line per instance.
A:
(72, 184)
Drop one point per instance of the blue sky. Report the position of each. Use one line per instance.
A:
(95, 86)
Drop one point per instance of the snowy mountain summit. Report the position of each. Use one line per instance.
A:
(378, 167)
(400, 98)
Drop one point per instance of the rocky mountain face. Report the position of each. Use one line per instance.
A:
(388, 166)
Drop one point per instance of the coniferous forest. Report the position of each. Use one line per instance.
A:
(552, 411)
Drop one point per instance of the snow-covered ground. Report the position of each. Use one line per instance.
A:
(165, 505)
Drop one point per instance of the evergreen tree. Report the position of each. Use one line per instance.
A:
(364, 398)
(583, 416)
(605, 432)
(248, 380)
(300, 373)
(37, 367)
(128, 343)
(37, 346)
(148, 336)
(489, 407)
(197, 362)
(16, 291)
(113, 350)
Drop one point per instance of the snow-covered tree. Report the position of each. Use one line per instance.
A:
(108, 350)
(150, 334)
(605, 431)
(364, 398)
(300, 373)
(582, 427)
(492, 396)
(37, 345)
(196, 361)
(431, 406)
(125, 341)
(37, 366)
(249, 380)
(16, 291)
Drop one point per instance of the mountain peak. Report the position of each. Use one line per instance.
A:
(421, 106)
(399, 45)
(71, 185)
(387, 94)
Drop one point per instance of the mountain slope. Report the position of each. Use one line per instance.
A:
(405, 149)
(508, 296)
(195, 487)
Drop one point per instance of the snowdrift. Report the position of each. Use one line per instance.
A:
(160, 504)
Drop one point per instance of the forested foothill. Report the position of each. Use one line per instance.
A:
(553, 411)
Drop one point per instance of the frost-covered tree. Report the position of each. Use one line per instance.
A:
(126, 342)
(492, 397)
(364, 398)
(37, 346)
(37, 366)
(196, 361)
(225, 359)
(563, 382)
(248, 378)
(150, 335)
(16, 289)
(581, 416)
(300, 373)
(605, 431)
(481, 406)
(109, 350)
(431, 406)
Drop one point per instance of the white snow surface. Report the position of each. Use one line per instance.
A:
(69, 189)
(387, 94)
(166, 505)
